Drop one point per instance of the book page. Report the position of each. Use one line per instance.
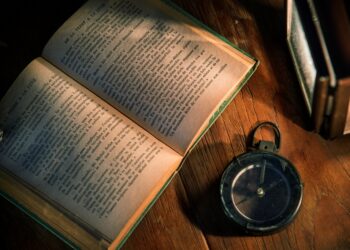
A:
(151, 63)
(80, 153)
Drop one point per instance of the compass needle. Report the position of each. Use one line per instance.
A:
(262, 173)
(243, 200)
(274, 184)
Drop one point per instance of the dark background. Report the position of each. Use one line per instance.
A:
(25, 27)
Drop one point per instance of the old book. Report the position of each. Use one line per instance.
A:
(96, 127)
(317, 35)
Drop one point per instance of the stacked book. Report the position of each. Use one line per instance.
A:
(318, 34)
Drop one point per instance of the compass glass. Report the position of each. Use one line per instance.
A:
(260, 193)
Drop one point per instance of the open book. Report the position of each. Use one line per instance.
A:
(96, 127)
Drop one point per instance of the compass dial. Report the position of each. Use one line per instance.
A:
(261, 191)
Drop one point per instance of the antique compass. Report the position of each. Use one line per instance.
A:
(260, 190)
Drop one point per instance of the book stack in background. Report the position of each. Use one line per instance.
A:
(318, 35)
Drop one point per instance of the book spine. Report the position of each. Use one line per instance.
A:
(339, 116)
(319, 103)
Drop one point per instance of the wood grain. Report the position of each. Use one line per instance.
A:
(188, 215)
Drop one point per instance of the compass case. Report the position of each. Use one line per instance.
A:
(261, 191)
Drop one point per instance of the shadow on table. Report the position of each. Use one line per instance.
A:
(202, 182)
(271, 21)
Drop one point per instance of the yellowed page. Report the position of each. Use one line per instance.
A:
(151, 63)
(78, 152)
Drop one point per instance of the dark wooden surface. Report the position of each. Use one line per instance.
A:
(188, 214)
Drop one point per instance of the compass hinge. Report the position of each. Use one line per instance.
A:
(266, 146)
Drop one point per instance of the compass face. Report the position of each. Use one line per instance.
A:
(261, 191)
(258, 201)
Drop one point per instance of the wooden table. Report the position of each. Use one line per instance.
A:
(188, 215)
